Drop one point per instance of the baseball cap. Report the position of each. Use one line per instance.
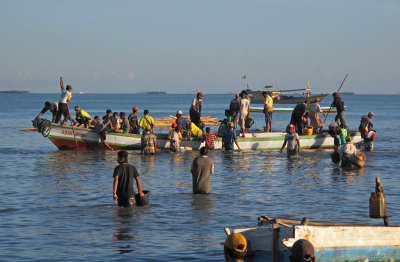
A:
(290, 126)
(179, 112)
(302, 250)
(236, 242)
(136, 108)
(371, 113)
(174, 125)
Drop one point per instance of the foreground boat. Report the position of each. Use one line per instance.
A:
(66, 138)
(331, 241)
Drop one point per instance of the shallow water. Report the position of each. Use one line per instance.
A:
(57, 205)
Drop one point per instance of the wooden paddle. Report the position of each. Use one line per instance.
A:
(26, 129)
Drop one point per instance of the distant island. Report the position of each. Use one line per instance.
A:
(347, 93)
(14, 92)
(152, 92)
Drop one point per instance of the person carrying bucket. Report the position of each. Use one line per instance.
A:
(124, 174)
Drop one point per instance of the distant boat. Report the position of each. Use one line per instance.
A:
(14, 92)
(152, 92)
(256, 97)
(81, 92)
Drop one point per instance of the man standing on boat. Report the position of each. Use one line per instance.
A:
(244, 111)
(297, 118)
(201, 169)
(234, 107)
(63, 102)
(133, 121)
(124, 174)
(314, 110)
(268, 109)
(147, 122)
(339, 104)
(195, 109)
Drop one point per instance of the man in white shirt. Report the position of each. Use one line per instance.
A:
(63, 103)
(244, 111)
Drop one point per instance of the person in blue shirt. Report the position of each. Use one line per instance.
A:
(229, 137)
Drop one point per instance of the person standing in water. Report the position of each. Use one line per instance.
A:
(124, 175)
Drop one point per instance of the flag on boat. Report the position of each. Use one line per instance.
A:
(244, 77)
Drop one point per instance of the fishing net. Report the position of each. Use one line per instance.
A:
(42, 125)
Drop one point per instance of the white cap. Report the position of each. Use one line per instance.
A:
(179, 112)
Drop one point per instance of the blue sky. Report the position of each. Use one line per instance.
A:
(181, 46)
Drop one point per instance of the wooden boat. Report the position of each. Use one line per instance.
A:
(66, 138)
(256, 97)
(332, 241)
(325, 109)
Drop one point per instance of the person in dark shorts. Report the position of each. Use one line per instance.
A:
(100, 129)
(52, 107)
(339, 104)
(124, 175)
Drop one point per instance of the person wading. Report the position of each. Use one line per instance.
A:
(124, 174)
(201, 169)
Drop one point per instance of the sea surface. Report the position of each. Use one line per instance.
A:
(57, 205)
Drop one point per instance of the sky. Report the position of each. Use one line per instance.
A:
(179, 46)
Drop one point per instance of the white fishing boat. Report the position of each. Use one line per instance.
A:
(67, 138)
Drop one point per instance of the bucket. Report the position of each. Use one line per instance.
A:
(181, 149)
(308, 131)
(142, 201)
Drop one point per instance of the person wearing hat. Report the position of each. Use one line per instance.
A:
(347, 151)
(365, 121)
(314, 109)
(82, 117)
(63, 103)
(302, 251)
(133, 121)
(175, 137)
(195, 109)
(229, 136)
(201, 169)
(183, 123)
(147, 121)
(235, 247)
(292, 141)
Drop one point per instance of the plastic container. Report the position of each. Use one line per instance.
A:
(142, 201)
(181, 149)
(308, 131)
(377, 206)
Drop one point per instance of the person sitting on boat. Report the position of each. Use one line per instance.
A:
(244, 111)
(268, 109)
(52, 107)
(148, 143)
(210, 139)
(124, 176)
(365, 121)
(175, 137)
(82, 117)
(369, 138)
(302, 251)
(183, 123)
(339, 104)
(292, 141)
(133, 121)
(234, 108)
(229, 137)
(124, 126)
(147, 122)
(347, 151)
(298, 116)
(314, 110)
(107, 120)
(195, 109)
(235, 247)
(114, 122)
(63, 103)
(100, 129)
(194, 131)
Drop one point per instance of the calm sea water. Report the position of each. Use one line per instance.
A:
(57, 205)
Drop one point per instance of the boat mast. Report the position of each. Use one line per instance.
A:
(308, 90)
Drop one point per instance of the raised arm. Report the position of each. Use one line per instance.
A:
(61, 83)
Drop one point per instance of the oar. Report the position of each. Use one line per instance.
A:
(326, 117)
(27, 129)
(73, 129)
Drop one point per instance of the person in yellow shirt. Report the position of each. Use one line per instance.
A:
(147, 121)
(268, 109)
(82, 117)
(195, 131)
